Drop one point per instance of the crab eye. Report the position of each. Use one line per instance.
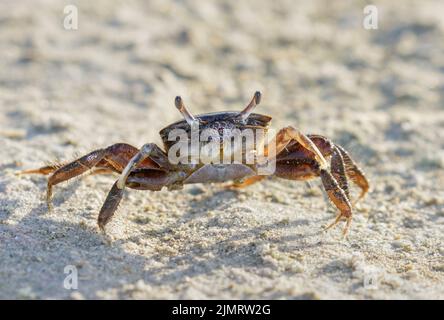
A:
(249, 108)
(190, 119)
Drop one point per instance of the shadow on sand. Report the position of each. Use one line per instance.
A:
(46, 247)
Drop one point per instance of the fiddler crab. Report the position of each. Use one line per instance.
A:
(292, 154)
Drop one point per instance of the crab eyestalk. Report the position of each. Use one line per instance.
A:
(190, 119)
(253, 103)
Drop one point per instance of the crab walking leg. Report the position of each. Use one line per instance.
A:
(304, 168)
(73, 169)
(339, 198)
(53, 167)
(246, 182)
(338, 171)
(281, 141)
(336, 194)
(285, 136)
(101, 171)
(43, 170)
(150, 150)
(110, 206)
(117, 152)
(116, 193)
(354, 173)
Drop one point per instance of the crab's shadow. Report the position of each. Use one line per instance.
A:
(238, 250)
(51, 245)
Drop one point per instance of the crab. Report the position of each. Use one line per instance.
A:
(296, 156)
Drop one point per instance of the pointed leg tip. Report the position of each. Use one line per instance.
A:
(29, 171)
(347, 224)
(231, 187)
(334, 223)
(101, 227)
(346, 228)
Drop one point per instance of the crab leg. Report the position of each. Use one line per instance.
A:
(341, 162)
(354, 173)
(150, 150)
(335, 183)
(339, 198)
(102, 167)
(73, 169)
(302, 167)
(116, 193)
(110, 205)
(114, 157)
(288, 134)
(101, 171)
(43, 170)
(338, 170)
(246, 182)
(278, 144)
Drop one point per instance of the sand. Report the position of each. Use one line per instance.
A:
(379, 93)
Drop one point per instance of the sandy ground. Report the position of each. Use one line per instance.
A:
(379, 93)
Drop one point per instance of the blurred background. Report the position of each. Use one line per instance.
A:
(378, 92)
